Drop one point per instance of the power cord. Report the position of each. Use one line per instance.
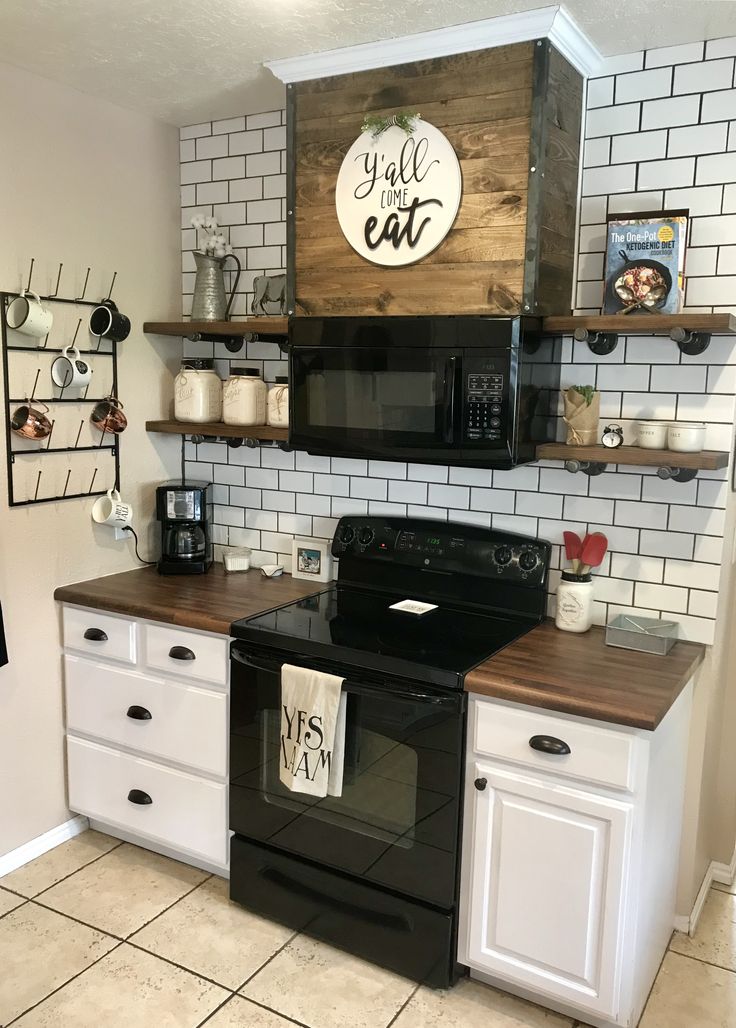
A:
(132, 532)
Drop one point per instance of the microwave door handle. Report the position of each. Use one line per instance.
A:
(448, 428)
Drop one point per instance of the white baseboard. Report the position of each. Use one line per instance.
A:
(724, 874)
(48, 841)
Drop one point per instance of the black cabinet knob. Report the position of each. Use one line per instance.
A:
(549, 744)
(480, 784)
(96, 635)
(138, 713)
(140, 797)
(181, 653)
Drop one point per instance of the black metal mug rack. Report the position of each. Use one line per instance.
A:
(45, 446)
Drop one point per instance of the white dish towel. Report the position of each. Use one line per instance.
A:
(312, 751)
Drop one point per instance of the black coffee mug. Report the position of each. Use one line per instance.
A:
(107, 321)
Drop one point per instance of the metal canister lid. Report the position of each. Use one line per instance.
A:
(198, 363)
(246, 371)
(281, 379)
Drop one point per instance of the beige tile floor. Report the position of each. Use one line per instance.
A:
(98, 932)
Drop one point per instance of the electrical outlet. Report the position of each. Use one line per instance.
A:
(120, 533)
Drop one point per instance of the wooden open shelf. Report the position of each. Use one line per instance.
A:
(706, 460)
(219, 429)
(266, 326)
(641, 324)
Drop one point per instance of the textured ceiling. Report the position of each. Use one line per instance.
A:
(186, 61)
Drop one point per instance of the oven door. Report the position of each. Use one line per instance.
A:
(397, 822)
(397, 401)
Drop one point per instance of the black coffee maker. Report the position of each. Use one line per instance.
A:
(184, 510)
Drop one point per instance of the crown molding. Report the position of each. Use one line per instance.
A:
(550, 22)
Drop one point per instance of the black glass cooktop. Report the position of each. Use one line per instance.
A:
(356, 626)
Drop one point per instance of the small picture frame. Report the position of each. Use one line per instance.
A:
(311, 560)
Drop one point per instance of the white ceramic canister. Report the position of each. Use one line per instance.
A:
(653, 434)
(686, 436)
(198, 392)
(278, 403)
(574, 602)
(244, 398)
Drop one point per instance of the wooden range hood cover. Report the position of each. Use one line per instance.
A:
(513, 115)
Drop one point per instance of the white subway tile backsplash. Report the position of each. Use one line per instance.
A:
(703, 77)
(448, 496)
(623, 377)
(539, 505)
(369, 488)
(385, 509)
(434, 513)
(295, 524)
(592, 511)
(349, 466)
(703, 604)
(618, 178)
(611, 121)
(613, 486)
(680, 110)
(470, 476)
(386, 469)
(716, 168)
(697, 139)
(296, 481)
(471, 517)
(699, 200)
(272, 499)
(658, 490)
(667, 174)
(702, 407)
(597, 152)
(613, 590)
(667, 544)
(309, 503)
(637, 568)
(515, 523)
(332, 485)
(228, 125)
(640, 515)
(194, 131)
(712, 292)
(724, 47)
(649, 406)
(660, 597)
(643, 85)
(498, 501)
(699, 260)
(407, 492)
(684, 53)
(675, 378)
(619, 64)
(600, 92)
(710, 521)
(324, 528)
(712, 494)
(639, 146)
(427, 472)
(708, 549)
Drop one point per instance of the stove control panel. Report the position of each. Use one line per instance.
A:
(443, 546)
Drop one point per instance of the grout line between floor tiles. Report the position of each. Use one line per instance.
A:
(13, 909)
(273, 1010)
(77, 920)
(71, 873)
(64, 984)
(701, 960)
(166, 909)
(174, 963)
(403, 1006)
(250, 978)
(216, 1010)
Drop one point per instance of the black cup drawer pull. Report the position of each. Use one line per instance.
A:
(138, 713)
(140, 797)
(548, 744)
(181, 653)
(96, 635)
(480, 784)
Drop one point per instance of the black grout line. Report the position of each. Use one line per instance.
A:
(404, 1005)
(13, 909)
(217, 1009)
(89, 862)
(698, 960)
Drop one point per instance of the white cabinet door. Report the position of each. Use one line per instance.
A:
(546, 886)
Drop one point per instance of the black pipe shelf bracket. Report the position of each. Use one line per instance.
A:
(692, 344)
(107, 443)
(592, 468)
(599, 343)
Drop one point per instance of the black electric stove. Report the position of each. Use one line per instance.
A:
(375, 871)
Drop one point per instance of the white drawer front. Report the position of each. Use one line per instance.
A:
(596, 754)
(186, 723)
(104, 635)
(207, 654)
(185, 812)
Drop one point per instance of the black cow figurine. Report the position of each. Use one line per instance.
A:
(268, 289)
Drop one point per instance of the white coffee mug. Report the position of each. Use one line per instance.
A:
(70, 372)
(653, 435)
(29, 315)
(112, 511)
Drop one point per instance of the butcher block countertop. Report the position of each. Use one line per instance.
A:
(579, 674)
(562, 671)
(209, 603)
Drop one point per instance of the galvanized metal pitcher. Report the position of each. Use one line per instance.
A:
(209, 302)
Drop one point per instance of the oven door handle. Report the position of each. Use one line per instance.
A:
(448, 429)
(451, 699)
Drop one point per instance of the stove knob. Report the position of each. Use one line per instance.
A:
(527, 560)
(365, 536)
(347, 534)
(502, 555)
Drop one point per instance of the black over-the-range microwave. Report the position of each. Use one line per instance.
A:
(474, 391)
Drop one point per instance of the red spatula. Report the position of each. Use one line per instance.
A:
(593, 551)
(573, 546)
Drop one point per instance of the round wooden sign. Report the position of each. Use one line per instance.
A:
(397, 196)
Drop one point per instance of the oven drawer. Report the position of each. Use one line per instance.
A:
(168, 720)
(161, 803)
(103, 635)
(203, 658)
(598, 755)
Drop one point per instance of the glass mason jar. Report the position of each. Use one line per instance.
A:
(198, 392)
(244, 398)
(574, 602)
(278, 403)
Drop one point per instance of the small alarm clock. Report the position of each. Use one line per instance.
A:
(613, 436)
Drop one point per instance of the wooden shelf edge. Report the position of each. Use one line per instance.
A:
(273, 326)
(636, 456)
(264, 432)
(641, 324)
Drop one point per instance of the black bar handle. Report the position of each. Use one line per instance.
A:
(480, 784)
(138, 713)
(549, 744)
(96, 635)
(140, 797)
(181, 653)
(449, 399)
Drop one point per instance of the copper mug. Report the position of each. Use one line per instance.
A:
(31, 423)
(107, 415)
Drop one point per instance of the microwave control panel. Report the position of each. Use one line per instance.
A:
(485, 386)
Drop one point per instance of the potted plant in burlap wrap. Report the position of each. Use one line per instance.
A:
(582, 414)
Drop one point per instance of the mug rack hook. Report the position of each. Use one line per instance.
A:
(109, 292)
(35, 383)
(84, 289)
(38, 482)
(81, 426)
(30, 274)
(52, 296)
(76, 331)
(94, 475)
(66, 484)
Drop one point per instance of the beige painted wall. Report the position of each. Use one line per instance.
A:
(85, 183)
